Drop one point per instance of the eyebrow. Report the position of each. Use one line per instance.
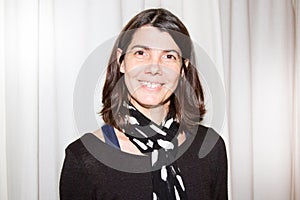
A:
(148, 48)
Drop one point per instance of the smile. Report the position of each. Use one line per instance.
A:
(151, 85)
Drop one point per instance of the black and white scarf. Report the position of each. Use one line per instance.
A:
(160, 141)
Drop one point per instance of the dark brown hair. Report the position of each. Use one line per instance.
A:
(188, 100)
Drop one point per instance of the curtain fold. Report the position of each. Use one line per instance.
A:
(48, 106)
(254, 46)
(128, 10)
(21, 98)
(239, 79)
(272, 50)
(3, 162)
(296, 137)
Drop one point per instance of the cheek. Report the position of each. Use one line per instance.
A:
(175, 83)
(131, 80)
(132, 73)
(131, 63)
(132, 68)
(172, 75)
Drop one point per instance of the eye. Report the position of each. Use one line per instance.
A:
(170, 57)
(140, 53)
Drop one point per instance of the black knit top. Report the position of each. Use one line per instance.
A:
(95, 170)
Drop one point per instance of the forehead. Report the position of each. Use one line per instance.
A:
(154, 38)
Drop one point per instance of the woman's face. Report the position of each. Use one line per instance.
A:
(151, 66)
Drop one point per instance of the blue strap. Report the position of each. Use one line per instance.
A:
(110, 136)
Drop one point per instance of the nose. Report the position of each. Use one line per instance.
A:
(154, 65)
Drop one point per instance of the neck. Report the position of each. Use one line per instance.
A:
(154, 113)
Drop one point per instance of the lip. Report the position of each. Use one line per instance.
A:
(151, 85)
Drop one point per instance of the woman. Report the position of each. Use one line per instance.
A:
(149, 147)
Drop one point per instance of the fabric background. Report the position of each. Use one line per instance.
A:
(254, 45)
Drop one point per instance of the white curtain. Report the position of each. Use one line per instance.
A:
(255, 46)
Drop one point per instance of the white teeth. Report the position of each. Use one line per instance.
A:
(150, 85)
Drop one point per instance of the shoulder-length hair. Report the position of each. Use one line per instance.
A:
(188, 100)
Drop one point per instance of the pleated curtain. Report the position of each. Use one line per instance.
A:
(254, 46)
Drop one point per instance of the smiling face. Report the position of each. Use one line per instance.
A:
(151, 67)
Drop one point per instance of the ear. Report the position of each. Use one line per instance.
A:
(186, 63)
(119, 54)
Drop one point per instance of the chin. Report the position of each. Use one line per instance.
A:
(149, 102)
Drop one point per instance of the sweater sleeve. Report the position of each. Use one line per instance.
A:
(221, 185)
(74, 183)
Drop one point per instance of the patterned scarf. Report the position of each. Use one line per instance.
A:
(160, 141)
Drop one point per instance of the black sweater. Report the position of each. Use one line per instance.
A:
(84, 176)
